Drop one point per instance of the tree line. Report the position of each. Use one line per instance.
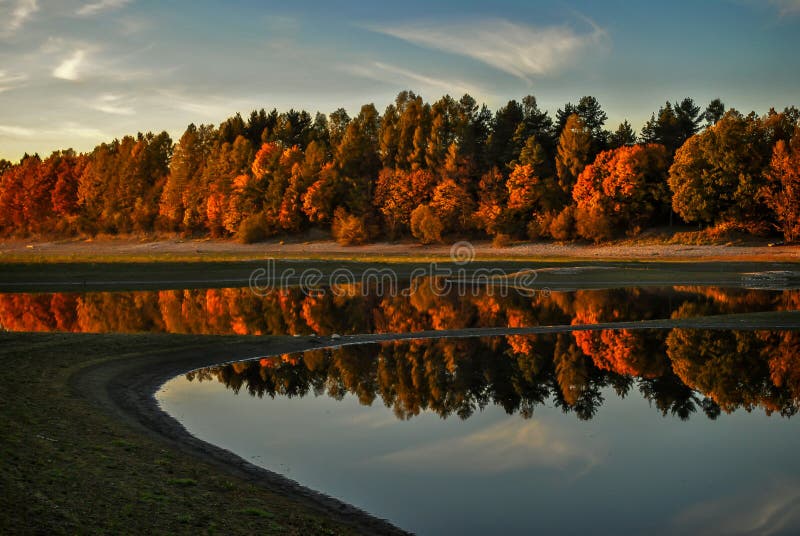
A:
(447, 169)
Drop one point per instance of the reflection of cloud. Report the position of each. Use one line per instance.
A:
(87, 10)
(507, 445)
(69, 68)
(18, 15)
(517, 49)
(372, 419)
(775, 510)
(383, 72)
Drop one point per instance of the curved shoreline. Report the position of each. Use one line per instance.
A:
(126, 389)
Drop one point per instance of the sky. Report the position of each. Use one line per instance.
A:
(74, 73)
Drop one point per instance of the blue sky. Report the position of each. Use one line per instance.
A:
(77, 72)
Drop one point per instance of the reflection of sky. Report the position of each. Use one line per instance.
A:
(77, 72)
(626, 471)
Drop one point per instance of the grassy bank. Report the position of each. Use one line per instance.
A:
(70, 468)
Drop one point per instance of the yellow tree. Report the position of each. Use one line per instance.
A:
(572, 156)
(782, 191)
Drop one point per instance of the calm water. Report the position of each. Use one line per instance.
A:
(683, 431)
(672, 431)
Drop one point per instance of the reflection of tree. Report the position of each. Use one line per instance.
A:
(713, 371)
(733, 368)
(622, 351)
(353, 310)
(682, 373)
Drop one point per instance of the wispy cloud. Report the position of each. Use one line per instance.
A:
(79, 131)
(16, 132)
(88, 10)
(520, 50)
(69, 68)
(65, 130)
(383, 72)
(11, 81)
(16, 14)
(202, 106)
(112, 104)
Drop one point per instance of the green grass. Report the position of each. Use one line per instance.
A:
(69, 468)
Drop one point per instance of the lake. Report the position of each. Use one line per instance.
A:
(625, 431)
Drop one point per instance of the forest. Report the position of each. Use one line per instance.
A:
(451, 169)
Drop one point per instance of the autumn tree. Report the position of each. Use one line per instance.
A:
(425, 225)
(453, 205)
(593, 118)
(625, 185)
(491, 215)
(717, 175)
(782, 190)
(358, 161)
(186, 167)
(574, 148)
(398, 193)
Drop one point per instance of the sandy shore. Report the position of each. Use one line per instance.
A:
(210, 249)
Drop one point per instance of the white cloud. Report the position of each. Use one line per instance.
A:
(20, 12)
(16, 132)
(383, 72)
(79, 131)
(111, 104)
(63, 131)
(10, 81)
(521, 50)
(203, 106)
(88, 10)
(69, 68)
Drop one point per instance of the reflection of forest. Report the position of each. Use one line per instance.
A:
(288, 311)
(681, 371)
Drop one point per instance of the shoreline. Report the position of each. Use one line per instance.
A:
(126, 390)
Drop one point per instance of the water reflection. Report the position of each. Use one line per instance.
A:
(513, 434)
(680, 372)
(289, 311)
